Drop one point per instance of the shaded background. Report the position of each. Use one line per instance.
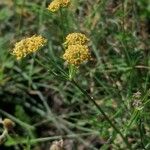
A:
(119, 34)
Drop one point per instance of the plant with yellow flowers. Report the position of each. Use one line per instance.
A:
(76, 53)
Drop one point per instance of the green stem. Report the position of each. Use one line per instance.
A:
(141, 134)
(34, 141)
(103, 113)
(23, 124)
(72, 72)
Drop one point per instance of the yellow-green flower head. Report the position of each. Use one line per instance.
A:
(55, 5)
(76, 54)
(28, 45)
(76, 38)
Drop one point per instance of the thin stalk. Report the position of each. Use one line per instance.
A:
(141, 134)
(103, 113)
(21, 17)
(44, 139)
(31, 71)
(23, 124)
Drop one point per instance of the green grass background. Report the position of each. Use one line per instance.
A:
(45, 106)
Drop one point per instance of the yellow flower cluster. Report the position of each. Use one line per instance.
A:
(57, 4)
(28, 45)
(77, 51)
(76, 38)
(76, 54)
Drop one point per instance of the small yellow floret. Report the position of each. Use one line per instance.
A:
(76, 54)
(76, 38)
(28, 45)
(55, 5)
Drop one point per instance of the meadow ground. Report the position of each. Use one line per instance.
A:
(103, 103)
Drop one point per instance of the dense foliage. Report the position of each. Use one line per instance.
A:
(41, 104)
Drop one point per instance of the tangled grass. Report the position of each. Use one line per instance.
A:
(82, 103)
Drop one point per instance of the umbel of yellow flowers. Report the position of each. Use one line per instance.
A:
(77, 50)
(28, 45)
(55, 5)
(76, 54)
(76, 38)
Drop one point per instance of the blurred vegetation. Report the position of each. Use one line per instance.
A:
(42, 105)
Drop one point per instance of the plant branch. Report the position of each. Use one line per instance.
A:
(103, 113)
